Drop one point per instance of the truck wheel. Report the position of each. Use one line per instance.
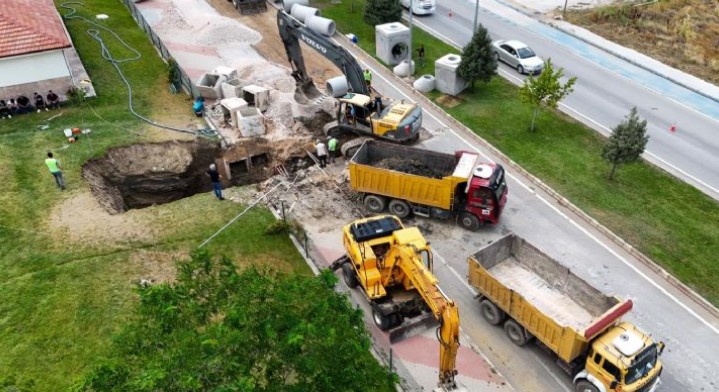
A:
(585, 386)
(517, 334)
(468, 221)
(349, 275)
(375, 203)
(491, 312)
(399, 208)
(382, 321)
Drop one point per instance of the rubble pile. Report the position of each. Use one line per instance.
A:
(409, 166)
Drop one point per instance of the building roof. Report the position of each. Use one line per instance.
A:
(29, 26)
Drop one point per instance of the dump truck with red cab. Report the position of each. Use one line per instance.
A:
(408, 180)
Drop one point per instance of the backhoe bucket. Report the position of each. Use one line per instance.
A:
(306, 91)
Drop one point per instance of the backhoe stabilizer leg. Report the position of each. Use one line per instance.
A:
(337, 264)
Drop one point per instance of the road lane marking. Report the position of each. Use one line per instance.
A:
(573, 222)
(518, 80)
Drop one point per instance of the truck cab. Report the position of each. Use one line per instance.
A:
(623, 359)
(395, 121)
(486, 195)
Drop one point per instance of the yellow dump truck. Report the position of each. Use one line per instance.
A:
(409, 180)
(534, 296)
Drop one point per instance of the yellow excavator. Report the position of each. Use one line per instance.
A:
(393, 264)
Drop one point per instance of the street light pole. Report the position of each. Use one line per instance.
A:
(411, 5)
(564, 11)
(476, 14)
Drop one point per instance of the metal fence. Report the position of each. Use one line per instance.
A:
(182, 80)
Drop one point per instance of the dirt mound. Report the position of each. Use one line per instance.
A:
(142, 175)
(409, 166)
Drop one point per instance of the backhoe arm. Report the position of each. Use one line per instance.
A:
(444, 310)
(292, 31)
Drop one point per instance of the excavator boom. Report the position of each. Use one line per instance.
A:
(292, 32)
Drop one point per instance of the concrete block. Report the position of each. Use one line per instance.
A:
(232, 88)
(256, 96)
(445, 71)
(209, 85)
(231, 107)
(392, 42)
(228, 72)
(251, 122)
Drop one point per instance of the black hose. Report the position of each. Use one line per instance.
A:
(95, 34)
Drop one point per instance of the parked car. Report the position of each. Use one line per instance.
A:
(518, 55)
(420, 7)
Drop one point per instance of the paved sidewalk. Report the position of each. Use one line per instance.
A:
(538, 9)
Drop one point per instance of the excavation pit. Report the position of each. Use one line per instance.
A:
(143, 175)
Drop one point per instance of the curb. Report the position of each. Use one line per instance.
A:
(646, 261)
(611, 52)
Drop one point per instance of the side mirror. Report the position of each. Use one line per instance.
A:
(613, 385)
(660, 347)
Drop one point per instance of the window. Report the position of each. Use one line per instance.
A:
(611, 369)
(426, 258)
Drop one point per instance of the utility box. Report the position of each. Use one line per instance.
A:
(256, 96)
(447, 80)
(392, 42)
(230, 109)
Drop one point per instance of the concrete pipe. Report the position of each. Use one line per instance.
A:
(424, 84)
(402, 69)
(337, 86)
(302, 12)
(287, 4)
(321, 25)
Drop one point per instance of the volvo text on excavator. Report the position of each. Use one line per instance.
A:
(357, 112)
(393, 265)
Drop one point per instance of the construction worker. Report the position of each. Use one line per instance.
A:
(368, 78)
(55, 169)
(332, 147)
(321, 151)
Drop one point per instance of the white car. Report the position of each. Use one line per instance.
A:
(518, 55)
(420, 7)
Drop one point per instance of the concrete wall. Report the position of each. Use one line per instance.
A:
(36, 72)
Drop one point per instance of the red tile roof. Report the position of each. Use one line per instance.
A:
(28, 26)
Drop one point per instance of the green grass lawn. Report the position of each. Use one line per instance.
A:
(671, 222)
(62, 299)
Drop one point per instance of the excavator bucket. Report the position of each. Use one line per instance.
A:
(306, 92)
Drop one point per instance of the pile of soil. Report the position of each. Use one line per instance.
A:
(409, 166)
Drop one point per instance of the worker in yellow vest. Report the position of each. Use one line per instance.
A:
(332, 147)
(54, 166)
(368, 78)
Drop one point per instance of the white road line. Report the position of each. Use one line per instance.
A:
(597, 240)
(608, 131)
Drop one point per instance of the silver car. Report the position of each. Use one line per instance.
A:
(518, 55)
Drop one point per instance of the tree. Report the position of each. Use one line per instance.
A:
(546, 90)
(478, 62)
(219, 330)
(627, 142)
(377, 12)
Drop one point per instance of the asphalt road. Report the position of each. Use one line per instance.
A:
(606, 88)
(691, 335)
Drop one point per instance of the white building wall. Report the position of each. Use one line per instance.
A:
(32, 68)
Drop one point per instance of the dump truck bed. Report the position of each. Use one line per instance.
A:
(560, 309)
(416, 175)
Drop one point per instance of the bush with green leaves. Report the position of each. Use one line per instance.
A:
(215, 329)
(377, 12)
(478, 62)
(627, 142)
